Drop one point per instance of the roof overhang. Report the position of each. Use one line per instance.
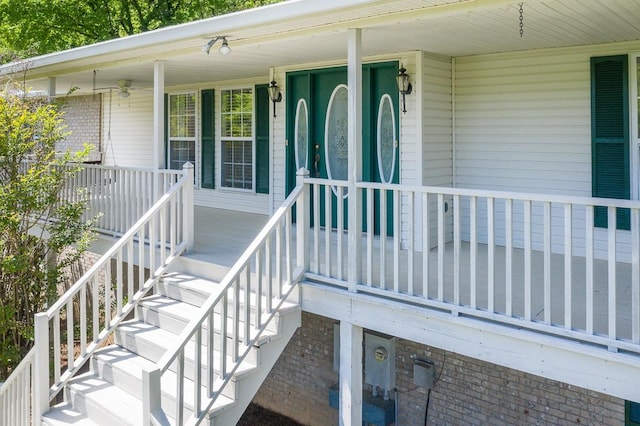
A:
(309, 31)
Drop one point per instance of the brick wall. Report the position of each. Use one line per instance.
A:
(468, 392)
(82, 117)
(298, 385)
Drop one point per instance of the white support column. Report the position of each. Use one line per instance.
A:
(350, 374)
(420, 141)
(41, 368)
(158, 121)
(188, 218)
(355, 155)
(51, 91)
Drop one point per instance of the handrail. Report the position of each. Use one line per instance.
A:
(246, 329)
(520, 196)
(227, 281)
(111, 289)
(19, 385)
(117, 246)
(557, 264)
(116, 197)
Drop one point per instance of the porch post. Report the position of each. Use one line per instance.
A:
(302, 222)
(355, 155)
(350, 374)
(350, 334)
(41, 368)
(188, 218)
(51, 92)
(158, 122)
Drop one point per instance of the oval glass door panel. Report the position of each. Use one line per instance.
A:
(336, 127)
(302, 135)
(386, 139)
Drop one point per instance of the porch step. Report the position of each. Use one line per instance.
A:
(195, 291)
(96, 397)
(110, 394)
(187, 288)
(151, 342)
(173, 316)
(124, 368)
(64, 415)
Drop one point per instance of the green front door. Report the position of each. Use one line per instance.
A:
(317, 128)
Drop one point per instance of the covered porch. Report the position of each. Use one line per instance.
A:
(591, 298)
(522, 304)
(490, 261)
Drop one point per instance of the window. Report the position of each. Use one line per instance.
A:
(182, 129)
(236, 113)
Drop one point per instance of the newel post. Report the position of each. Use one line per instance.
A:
(302, 219)
(188, 223)
(41, 368)
(151, 392)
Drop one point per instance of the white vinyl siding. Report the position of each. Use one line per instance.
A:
(127, 126)
(437, 122)
(437, 147)
(523, 124)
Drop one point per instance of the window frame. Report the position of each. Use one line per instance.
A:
(222, 139)
(196, 137)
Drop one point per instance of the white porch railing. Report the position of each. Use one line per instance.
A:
(250, 295)
(527, 260)
(81, 321)
(16, 394)
(119, 196)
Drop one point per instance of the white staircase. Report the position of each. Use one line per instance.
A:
(111, 392)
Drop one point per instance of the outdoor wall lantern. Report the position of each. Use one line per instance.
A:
(224, 48)
(274, 95)
(404, 85)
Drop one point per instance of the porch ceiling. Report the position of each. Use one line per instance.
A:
(452, 28)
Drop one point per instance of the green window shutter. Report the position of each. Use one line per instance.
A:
(610, 135)
(632, 413)
(262, 139)
(207, 161)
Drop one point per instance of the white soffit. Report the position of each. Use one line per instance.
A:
(307, 33)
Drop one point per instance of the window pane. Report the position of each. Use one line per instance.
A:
(180, 152)
(182, 115)
(246, 125)
(237, 167)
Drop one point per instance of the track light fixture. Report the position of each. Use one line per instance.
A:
(224, 48)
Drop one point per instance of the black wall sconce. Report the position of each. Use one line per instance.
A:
(274, 95)
(404, 85)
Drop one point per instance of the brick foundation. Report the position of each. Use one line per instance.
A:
(469, 391)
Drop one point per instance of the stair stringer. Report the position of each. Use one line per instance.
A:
(268, 355)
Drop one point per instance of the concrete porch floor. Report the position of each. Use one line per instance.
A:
(221, 236)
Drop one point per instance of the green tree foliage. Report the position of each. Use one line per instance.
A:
(41, 235)
(52, 25)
